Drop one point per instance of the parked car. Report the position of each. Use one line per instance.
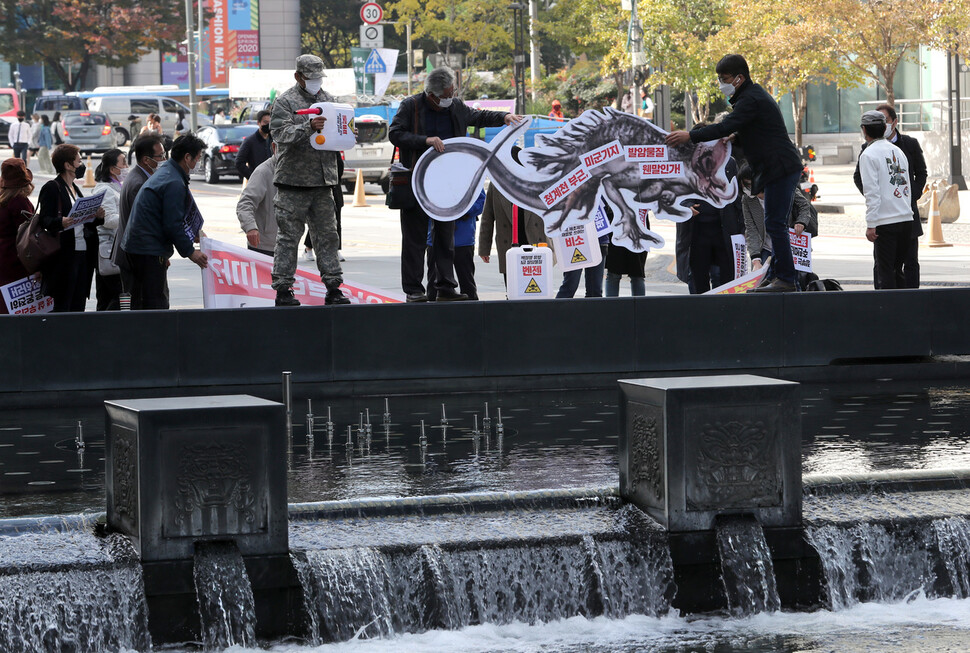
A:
(221, 145)
(372, 153)
(133, 110)
(251, 110)
(9, 106)
(91, 131)
(48, 105)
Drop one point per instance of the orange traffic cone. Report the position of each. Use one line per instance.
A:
(359, 198)
(811, 176)
(936, 224)
(89, 175)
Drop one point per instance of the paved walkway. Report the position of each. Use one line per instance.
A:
(371, 238)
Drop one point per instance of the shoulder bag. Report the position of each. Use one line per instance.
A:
(34, 244)
(399, 193)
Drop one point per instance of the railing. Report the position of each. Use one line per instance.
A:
(924, 114)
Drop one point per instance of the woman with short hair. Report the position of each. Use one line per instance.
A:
(15, 209)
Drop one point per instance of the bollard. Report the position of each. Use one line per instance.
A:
(359, 198)
(936, 224)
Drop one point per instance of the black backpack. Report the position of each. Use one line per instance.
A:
(823, 284)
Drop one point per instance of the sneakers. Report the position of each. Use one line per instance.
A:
(285, 298)
(308, 255)
(335, 298)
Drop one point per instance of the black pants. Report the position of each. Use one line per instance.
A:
(149, 282)
(708, 249)
(890, 249)
(72, 283)
(108, 288)
(910, 267)
(414, 239)
(464, 272)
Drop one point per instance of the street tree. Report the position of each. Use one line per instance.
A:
(876, 36)
(63, 34)
(329, 28)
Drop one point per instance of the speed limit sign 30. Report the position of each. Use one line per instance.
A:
(371, 13)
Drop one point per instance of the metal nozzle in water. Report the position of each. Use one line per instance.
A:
(486, 420)
(288, 396)
(387, 412)
(309, 418)
(79, 437)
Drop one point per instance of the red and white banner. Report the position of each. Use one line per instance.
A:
(744, 284)
(662, 170)
(565, 186)
(239, 277)
(605, 154)
(801, 250)
(646, 153)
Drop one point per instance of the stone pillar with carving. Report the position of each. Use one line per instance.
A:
(184, 469)
(692, 448)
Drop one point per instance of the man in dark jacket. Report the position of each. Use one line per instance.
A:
(422, 121)
(256, 148)
(917, 180)
(757, 124)
(157, 226)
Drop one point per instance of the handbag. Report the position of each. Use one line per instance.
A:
(34, 244)
(400, 195)
(106, 266)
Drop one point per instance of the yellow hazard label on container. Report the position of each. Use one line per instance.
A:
(533, 286)
(578, 257)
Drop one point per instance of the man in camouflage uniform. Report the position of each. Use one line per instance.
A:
(303, 179)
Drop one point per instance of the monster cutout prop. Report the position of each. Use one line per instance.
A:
(600, 157)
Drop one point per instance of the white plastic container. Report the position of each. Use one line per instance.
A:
(578, 246)
(528, 271)
(338, 132)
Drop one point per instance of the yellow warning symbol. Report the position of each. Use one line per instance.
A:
(578, 257)
(533, 286)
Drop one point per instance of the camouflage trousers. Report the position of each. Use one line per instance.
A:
(295, 209)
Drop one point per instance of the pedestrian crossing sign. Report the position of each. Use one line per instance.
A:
(374, 64)
(533, 287)
(578, 257)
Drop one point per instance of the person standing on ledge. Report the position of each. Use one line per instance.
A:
(424, 121)
(757, 124)
(304, 181)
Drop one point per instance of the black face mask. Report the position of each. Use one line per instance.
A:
(264, 129)
(79, 171)
(20, 119)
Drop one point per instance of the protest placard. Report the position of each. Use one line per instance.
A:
(23, 297)
(85, 209)
(801, 250)
(529, 272)
(740, 250)
(237, 277)
(578, 246)
(747, 283)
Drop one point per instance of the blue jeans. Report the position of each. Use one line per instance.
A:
(594, 280)
(638, 285)
(779, 194)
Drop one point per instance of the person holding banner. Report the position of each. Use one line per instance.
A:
(15, 209)
(162, 221)
(424, 121)
(68, 273)
(756, 122)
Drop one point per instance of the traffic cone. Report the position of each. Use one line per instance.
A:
(359, 199)
(89, 175)
(936, 224)
(811, 176)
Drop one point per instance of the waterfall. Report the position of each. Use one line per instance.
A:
(746, 569)
(226, 605)
(373, 592)
(92, 609)
(886, 562)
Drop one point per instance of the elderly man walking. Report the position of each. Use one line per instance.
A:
(304, 180)
(424, 121)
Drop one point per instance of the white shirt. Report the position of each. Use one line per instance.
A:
(885, 183)
(19, 133)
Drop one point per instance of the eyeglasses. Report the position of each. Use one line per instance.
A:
(159, 157)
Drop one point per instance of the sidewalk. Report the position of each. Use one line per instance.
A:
(372, 243)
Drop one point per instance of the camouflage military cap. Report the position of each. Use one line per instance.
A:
(310, 66)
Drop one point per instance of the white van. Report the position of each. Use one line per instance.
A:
(121, 107)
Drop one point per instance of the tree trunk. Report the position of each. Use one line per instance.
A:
(620, 91)
(799, 109)
(58, 69)
(700, 111)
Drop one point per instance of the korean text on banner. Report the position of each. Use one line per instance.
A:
(579, 246)
(740, 250)
(564, 187)
(85, 208)
(23, 297)
(747, 283)
(238, 277)
(529, 272)
(801, 250)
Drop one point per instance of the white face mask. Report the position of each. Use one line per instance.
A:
(122, 174)
(727, 89)
(762, 201)
(889, 131)
(313, 86)
(444, 102)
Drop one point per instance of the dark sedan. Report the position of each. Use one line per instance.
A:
(221, 146)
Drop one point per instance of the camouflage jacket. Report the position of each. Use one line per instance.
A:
(298, 164)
